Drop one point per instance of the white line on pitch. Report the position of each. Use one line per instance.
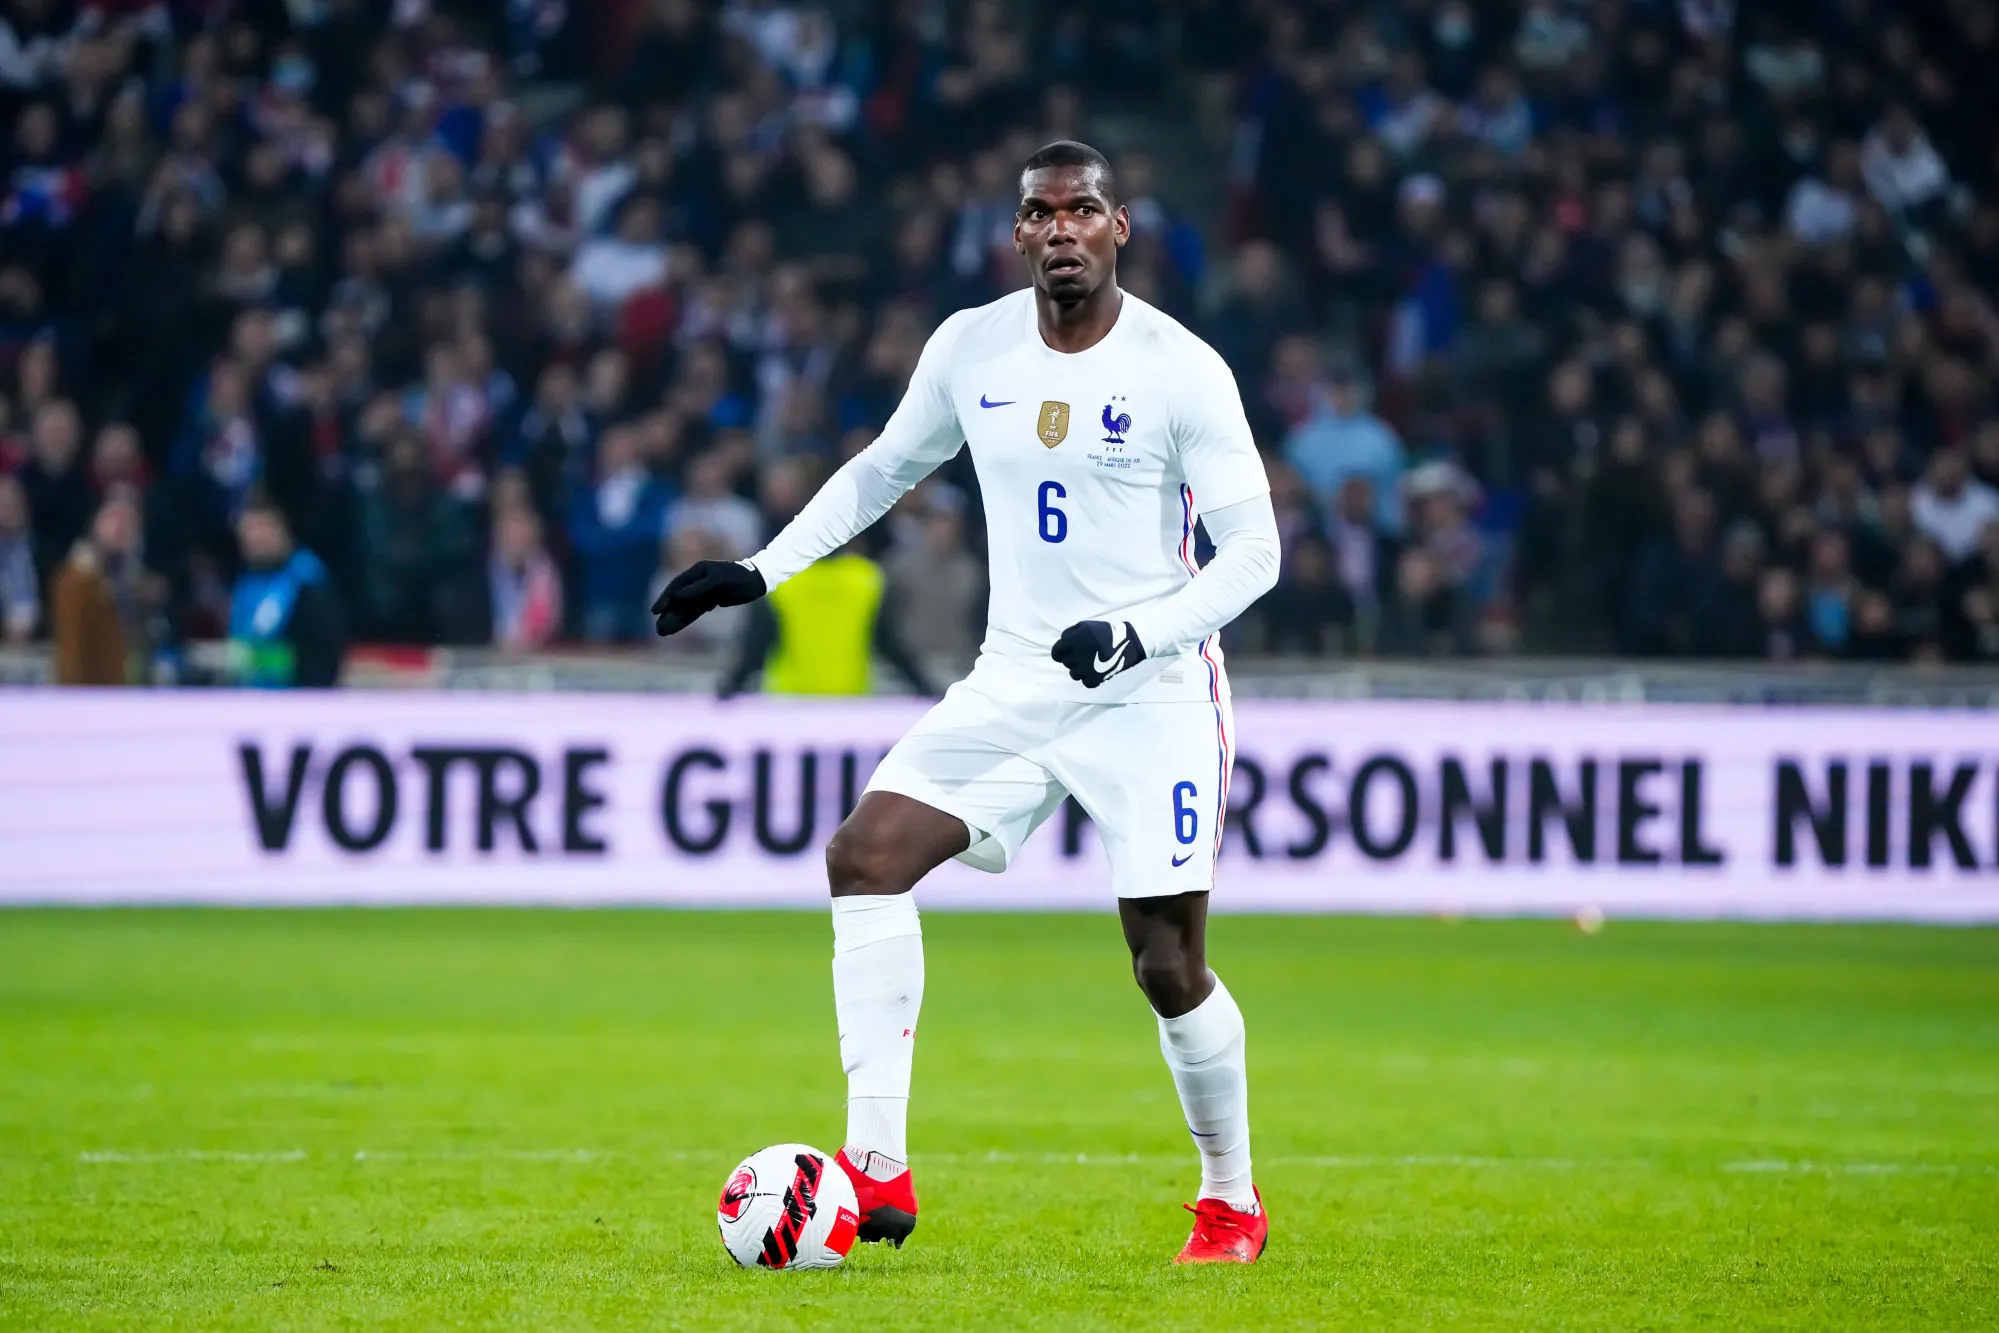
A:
(1862, 1168)
(1447, 1161)
(193, 1155)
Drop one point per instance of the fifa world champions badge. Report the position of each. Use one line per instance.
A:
(1053, 423)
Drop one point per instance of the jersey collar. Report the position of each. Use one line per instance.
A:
(1116, 334)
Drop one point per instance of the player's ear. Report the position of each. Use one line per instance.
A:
(1121, 225)
(1019, 246)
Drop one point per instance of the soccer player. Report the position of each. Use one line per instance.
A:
(1101, 430)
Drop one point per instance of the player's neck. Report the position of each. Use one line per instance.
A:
(1080, 325)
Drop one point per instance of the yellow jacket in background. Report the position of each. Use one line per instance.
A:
(825, 628)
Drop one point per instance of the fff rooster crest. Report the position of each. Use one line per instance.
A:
(1115, 423)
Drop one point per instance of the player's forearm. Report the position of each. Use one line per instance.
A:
(852, 498)
(1244, 568)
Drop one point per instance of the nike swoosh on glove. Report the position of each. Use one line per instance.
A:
(702, 587)
(1094, 651)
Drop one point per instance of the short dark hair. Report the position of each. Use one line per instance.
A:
(1069, 153)
(258, 500)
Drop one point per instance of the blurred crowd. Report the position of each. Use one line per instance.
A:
(1637, 326)
(1677, 323)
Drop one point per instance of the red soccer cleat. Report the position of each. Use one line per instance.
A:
(1224, 1236)
(888, 1207)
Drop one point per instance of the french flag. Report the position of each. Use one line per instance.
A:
(49, 195)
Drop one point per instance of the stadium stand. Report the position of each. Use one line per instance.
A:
(1655, 329)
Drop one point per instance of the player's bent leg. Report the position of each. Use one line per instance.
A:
(878, 854)
(888, 843)
(1202, 1037)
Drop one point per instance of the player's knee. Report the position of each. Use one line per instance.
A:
(859, 860)
(1169, 975)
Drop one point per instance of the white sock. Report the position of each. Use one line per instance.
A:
(877, 991)
(1204, 1049)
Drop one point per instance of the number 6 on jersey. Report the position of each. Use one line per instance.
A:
(1054, 523)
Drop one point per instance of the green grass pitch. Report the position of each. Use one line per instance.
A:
(521, 1120)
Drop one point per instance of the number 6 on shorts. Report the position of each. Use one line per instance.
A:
(1186, 822)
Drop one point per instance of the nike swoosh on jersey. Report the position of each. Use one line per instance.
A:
(1005, 403)
(1181, 861)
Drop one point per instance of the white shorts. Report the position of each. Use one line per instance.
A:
(1153, 777)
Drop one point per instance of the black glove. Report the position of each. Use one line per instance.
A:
(702, 587)
(1094, 653)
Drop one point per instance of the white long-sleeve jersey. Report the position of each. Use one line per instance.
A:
(1094, 467)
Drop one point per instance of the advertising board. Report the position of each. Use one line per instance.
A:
(455, 797)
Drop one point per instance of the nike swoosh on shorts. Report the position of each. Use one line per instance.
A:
(1183, 860)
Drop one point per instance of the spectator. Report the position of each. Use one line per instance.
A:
(1363, 557)
(445, 212)
(1822, 210)
(526, 587)
(617, 526)
(1342, 438)
(1499, 116)
(937, 585)
(1980, 601)
(1917, 589)
(1441, 498)
(118, 459)
(37, 377)
(1830, 593)
(1781, 627)
(1727, 616)
(1903, 171)
(1403, 110)
(420, 550)
(45, 188)
(453, 410)
(57, 484)
(1787, 66)
(219, 454)
(712, 507)
(1296, 388)
(833, 231)
(1951, 507)
(20, 584)
(1549, 37)
(611, 269)
(1427, 616)
(34, 51)
(1676, 578)
(99, 600)
(1875, 638)
(594, 165)
(1424, 323)
(1295, 507)
(1497, 360)
(286, 630)
(1309, 611)
(1260, 309)
(553, 440)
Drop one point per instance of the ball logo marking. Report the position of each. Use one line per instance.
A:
(737, 1192)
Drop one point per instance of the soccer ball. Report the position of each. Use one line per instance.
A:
(789, 1206)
